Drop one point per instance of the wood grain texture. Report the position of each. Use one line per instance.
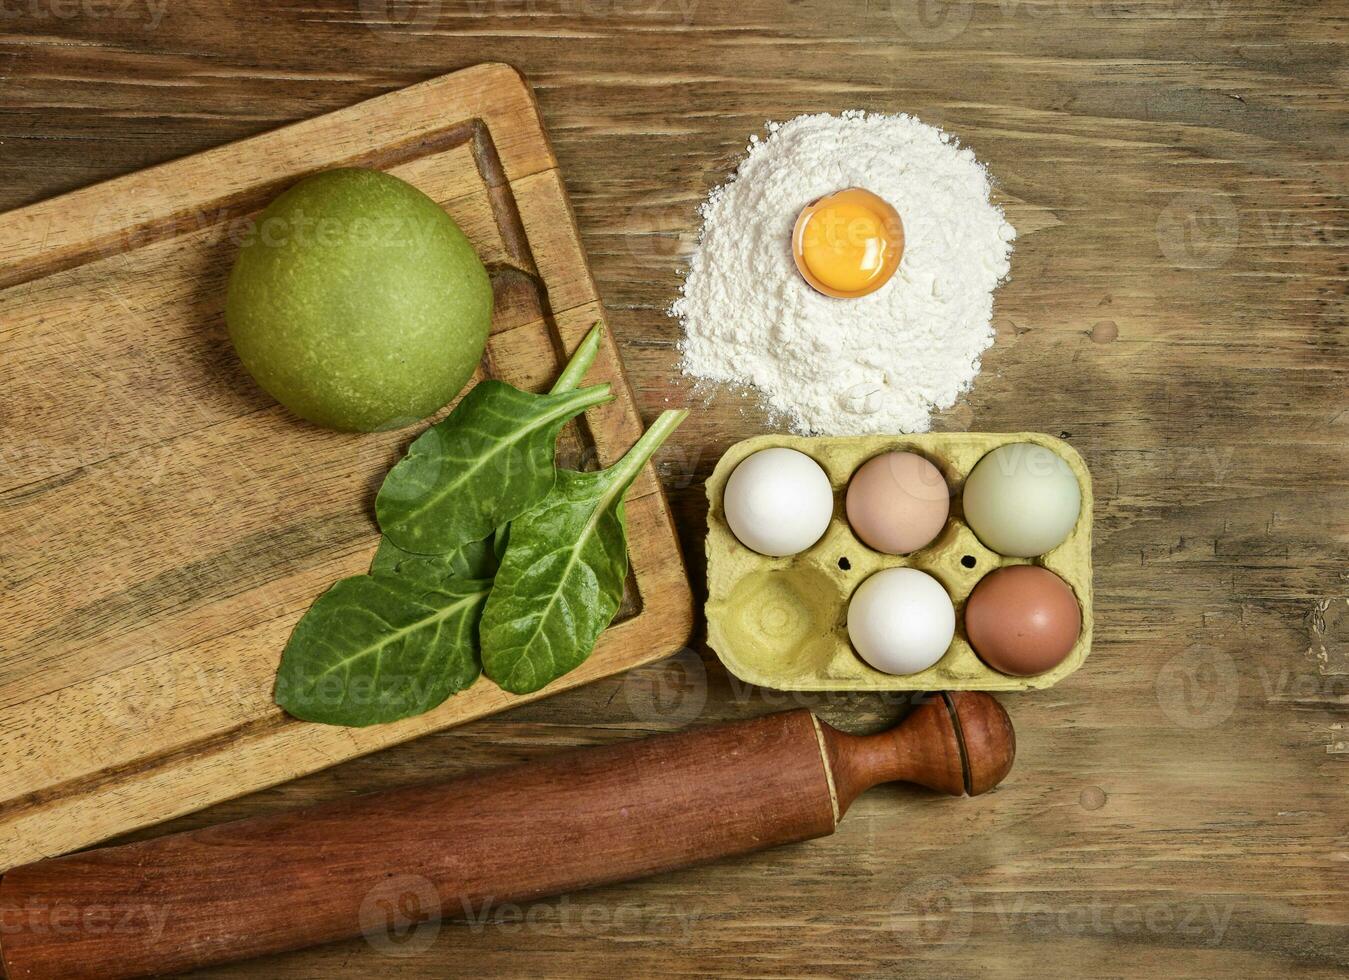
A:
(155, 571)
(1176, 172)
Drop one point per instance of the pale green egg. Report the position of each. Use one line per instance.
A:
(1022, 500)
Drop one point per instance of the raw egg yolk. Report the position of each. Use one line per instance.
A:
(844, 246)
(847, 245)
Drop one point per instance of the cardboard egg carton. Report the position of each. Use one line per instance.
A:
(782, 622)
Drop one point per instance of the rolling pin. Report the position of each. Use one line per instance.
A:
(585, 817)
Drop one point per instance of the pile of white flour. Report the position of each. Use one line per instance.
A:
(880, 363)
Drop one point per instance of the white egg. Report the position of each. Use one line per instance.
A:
(778, 502)
(1022, 500)
(901, 620)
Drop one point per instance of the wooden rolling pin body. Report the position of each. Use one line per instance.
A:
(577, 819)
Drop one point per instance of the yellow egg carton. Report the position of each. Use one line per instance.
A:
(782, 622)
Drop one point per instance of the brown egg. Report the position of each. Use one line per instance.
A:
(1022, 620)
(897, 502)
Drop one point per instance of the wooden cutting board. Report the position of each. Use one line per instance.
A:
(164, 523)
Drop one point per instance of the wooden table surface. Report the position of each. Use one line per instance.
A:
(1176, 311)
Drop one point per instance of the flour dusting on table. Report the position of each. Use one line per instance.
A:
(880, 363)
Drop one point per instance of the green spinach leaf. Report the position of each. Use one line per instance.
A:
(376, 648)
(484, 463)
(561, 577)
(469, 561)
(477, 559)
(400, 640)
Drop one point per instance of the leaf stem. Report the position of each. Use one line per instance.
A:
(583, 398)
(580, 361)
(622, 473)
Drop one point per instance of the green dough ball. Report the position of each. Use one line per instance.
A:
(358, 303)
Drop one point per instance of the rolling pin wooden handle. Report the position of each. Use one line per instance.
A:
(582, 818)
(957, 743)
